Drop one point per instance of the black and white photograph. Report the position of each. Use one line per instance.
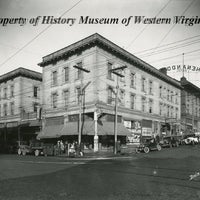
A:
(99, 99)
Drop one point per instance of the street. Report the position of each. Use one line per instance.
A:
(172, 173)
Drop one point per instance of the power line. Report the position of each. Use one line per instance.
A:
(34, 38)
(147, 25)
(173, 25)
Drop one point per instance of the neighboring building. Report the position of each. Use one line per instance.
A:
(147, 96)
(20, 94)
(190, 107)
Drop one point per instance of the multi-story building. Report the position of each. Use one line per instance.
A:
(20, 94)
(190, 107)
(147, 97)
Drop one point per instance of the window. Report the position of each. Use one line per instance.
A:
(78, 95)
(35, 106)
(168, 111)
(143, 104)
(172, 96)
(79, 73)
(160, 109)
(110, 75)
(66, 74)
(122, 97)
(66, 98)
(5, 93)
(54, 100)
(172, 111)
(176, 113)
(110, 95)
(176, 98)
(35, 91)
(168, 92)
(150, 87)
(5, 109)
(12, 108)
(55, 78)
(12, 91)
(132, 101)
(143, 84)
(133, 80)
(150, 106)
(160, 91)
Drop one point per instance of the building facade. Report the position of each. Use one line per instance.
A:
(190, 107)
(20, 95)
(87, 76)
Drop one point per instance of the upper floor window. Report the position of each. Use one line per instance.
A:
(12, 91)
(35, 107)
(35, 91)
(143, 104)
(12, 108)
(5, 109)
(79, 73)
(109, 67)
(150, 87)
(133, 80)
(5, 93)
(66, 97)
(132, 100)
(78, 95)
(122, 97)
(160, 109)
(160, 91)
(150, 106)
(176, 113)
(143, 84)
(110, 95)
(176, 98)
(168, 95)
(66, 74)
(54, 78)
(54, 100)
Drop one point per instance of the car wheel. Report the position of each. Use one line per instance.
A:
(159, 147)
(37, 152)
(19, 151)
(146, 149)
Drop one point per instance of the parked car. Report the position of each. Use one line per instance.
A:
(170, 141)
(147, 145)
(191, 140)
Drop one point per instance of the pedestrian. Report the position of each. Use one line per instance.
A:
(62, 147)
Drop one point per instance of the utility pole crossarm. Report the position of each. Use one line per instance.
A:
(83, 69)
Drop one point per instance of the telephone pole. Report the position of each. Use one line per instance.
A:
(82, 92)
(114, 71)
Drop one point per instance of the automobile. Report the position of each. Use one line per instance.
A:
(191, 140)
(148, 144)
(170, 141)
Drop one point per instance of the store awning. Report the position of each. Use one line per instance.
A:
(103, 128)
(51, 132)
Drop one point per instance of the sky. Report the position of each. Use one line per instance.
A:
(161, 45)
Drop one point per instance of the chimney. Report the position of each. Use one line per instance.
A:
(163, 70)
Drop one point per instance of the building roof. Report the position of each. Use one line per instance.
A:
(21, 72)
(190, 87)
(98, 40)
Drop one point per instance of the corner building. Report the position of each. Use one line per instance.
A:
(147, 97)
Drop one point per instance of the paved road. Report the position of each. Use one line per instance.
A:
(168, 174)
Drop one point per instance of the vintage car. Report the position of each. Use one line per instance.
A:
(170, 141)
(191, 140)
(148, 144)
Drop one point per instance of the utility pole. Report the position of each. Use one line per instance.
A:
(82, 91)
(114, 71)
